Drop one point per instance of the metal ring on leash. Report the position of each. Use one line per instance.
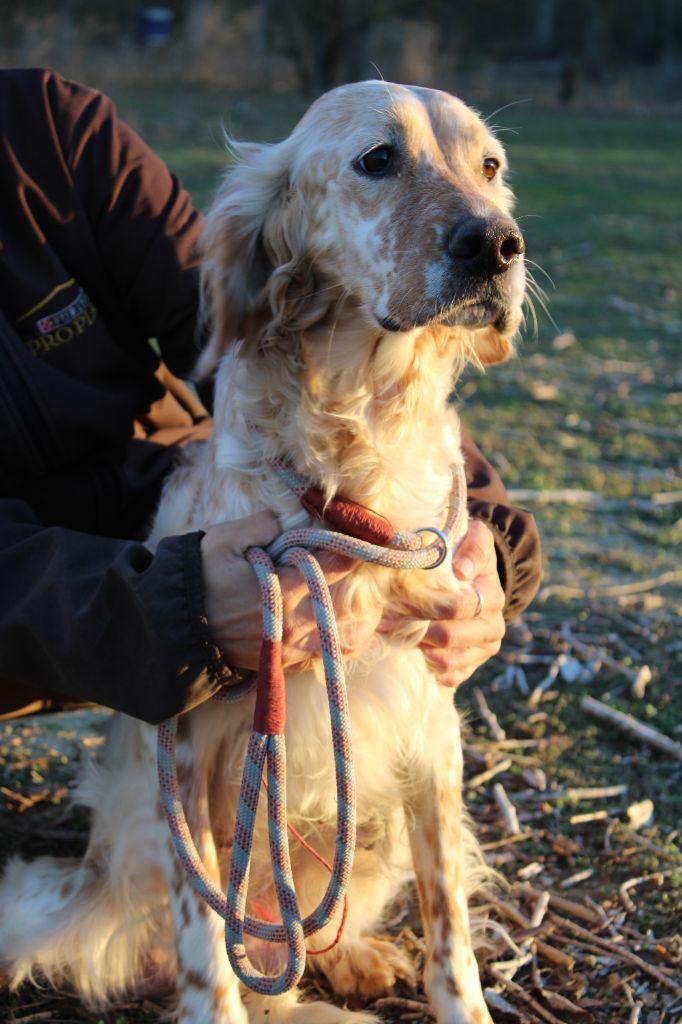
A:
(442, 538)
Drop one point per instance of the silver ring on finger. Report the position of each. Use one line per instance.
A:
(480, 604)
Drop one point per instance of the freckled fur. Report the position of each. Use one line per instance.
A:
(300, 256)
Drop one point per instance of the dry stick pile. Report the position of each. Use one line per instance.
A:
(576, 948)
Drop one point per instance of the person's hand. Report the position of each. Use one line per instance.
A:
(459, 641)
(232, 594)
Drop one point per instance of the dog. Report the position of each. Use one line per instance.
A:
(350, 271)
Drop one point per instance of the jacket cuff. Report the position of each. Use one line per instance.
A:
(517, 543)
(221, 676)
(171, 591)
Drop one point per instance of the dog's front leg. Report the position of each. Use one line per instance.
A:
(451, 974)
(207, 987)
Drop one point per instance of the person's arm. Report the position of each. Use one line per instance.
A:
(96, 619)
(145, 227)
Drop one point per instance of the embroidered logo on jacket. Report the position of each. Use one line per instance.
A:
(64, 324)
(65, 317)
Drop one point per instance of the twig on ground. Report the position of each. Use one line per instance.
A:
(507, 810)
(521, 994)
(479, 780)
(397, 1003)
(488, 716)
(619, 953)
(560, 903)
(520, 838)
(595, 792)
(559, 1002)
(631, 726)
(632, 883)
(576, 879)
(639, 676)
(496, 1002)
(635, 1013)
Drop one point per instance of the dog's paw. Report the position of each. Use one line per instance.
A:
(367, 967)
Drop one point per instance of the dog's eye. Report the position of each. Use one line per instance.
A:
(377, 161)
(490, 167)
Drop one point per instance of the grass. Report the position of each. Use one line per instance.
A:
(591, 403)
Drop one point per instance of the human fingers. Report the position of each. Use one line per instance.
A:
(300, 631)
(482, 598)
(231, 539)
(232, 599)
(453, 670)
(475, 554)
(452, 635)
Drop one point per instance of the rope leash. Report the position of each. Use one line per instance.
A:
(373, 540)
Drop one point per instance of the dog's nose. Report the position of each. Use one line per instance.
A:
(486, 245)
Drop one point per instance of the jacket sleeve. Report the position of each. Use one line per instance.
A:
(145, 226)
(517, 541)
(97, 619)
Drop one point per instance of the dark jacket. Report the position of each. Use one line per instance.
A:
(98, 255)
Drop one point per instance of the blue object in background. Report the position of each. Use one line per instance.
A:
(154, 26)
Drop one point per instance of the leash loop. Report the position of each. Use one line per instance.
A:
(266, 750)
(445, 545)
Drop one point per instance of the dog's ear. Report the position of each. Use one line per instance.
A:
(257, 280)
(489, 346)
(233, 269)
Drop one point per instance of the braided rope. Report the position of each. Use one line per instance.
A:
(267, 749)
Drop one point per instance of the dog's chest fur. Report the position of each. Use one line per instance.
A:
(401, 467)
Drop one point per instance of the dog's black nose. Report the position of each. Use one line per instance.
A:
(486, 245)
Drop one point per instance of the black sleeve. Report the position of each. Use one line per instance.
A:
(103, 620)
(517, 541)
(145, 226)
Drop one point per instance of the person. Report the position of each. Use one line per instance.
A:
(98, 255)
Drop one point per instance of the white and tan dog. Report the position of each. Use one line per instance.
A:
(351, 271)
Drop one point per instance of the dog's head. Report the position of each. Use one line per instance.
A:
(387, 197)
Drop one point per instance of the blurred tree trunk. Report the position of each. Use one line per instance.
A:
(544, 26)
(597, 37)
(198, 22)
(262, 34)
(323, 38)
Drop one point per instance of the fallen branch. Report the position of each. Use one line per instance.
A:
(622, 590)
(559, 1002)
(567, 496)
(488, 716)
(520, 838)
(496, 1002)
(631, 726)
(478, 780)
(507, 810)
(673, 576)
(595, 792)
(560, 903)
(619, 953)
(639, 676)
(579, 876)
(584, 819)
(632, 883)
(521, 994)
(397, 1003)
